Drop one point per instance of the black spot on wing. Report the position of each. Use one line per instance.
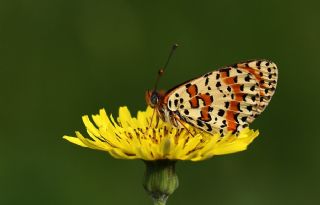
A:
(199, 123)
(235, 116)
(207, 75)
(244, 96)
(209, 128)
(225, 70)
(258, 63)
(221, 112)
(207, 81)
(239, 107)
(221, 131)
(176, 102)
(224, 122)
(235, 79)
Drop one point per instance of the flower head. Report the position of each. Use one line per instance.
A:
(130, 137)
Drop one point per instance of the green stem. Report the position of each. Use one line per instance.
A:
(159, 202)
(160, 180)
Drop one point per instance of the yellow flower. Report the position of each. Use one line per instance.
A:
(130, 137)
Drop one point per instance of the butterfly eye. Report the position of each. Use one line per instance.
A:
(154, 99)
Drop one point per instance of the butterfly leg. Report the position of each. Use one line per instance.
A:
(176, 119)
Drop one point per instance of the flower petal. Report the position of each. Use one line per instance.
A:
(138, 138)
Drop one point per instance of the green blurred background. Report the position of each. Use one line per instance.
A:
(62, 59)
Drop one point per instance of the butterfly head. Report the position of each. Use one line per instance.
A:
(154, 98)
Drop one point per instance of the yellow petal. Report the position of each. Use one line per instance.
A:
(74, 140)
(140, 138)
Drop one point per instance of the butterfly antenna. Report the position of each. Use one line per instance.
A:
(161, 71)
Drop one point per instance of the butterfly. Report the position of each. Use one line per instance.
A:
(225, 100)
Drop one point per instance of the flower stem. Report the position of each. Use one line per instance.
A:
(159, 202)
(160, 180)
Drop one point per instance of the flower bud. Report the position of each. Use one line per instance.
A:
(160, 180)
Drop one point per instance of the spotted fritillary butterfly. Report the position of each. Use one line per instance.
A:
(224, 100)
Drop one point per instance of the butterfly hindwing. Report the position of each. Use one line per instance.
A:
(227, 99)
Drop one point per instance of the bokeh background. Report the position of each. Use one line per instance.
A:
(62, 59)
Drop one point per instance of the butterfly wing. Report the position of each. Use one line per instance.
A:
(227, 99)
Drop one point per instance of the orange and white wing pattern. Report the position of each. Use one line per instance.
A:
(227, 99)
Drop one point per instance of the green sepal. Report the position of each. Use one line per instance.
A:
(160, 180)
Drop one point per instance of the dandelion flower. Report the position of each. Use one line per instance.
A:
(130, 137)
(157, 143)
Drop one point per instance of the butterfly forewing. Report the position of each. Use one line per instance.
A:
(227, 99)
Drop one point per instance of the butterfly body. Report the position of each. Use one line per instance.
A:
(220, 101)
